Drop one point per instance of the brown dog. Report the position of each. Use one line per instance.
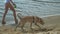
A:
(29, 19)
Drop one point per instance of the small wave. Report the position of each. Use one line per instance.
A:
(16, 2)
(17, 9)
(1, 9)
(50, 15)
(7, 14)
(0, 16)
(46, 1)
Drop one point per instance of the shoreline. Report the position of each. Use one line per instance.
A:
(50, 23)
(49, 15)
(45, 18)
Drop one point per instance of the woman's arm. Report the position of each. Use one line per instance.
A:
(12, 2)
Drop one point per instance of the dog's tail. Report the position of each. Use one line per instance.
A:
(19, 15)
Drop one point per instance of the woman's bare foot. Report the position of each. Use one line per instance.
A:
(3, 23)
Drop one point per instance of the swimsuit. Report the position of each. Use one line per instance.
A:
(7, 1)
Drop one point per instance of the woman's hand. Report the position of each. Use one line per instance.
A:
(13, 3)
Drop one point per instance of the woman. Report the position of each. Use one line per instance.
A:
(9, 4)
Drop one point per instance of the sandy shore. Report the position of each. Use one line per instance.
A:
(51, 22)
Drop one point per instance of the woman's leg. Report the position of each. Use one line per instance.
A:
(6, 10)
(14, 13)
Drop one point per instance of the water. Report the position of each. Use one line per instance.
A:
(39, 8)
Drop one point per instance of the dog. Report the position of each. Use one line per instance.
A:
(29, 19)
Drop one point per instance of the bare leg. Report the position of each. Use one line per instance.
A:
(4, 15)
(16, 21)
(14, 13)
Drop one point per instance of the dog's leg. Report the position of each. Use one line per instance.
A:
(37, 25)
(16, 27)
(22, 25)
(31, 26)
